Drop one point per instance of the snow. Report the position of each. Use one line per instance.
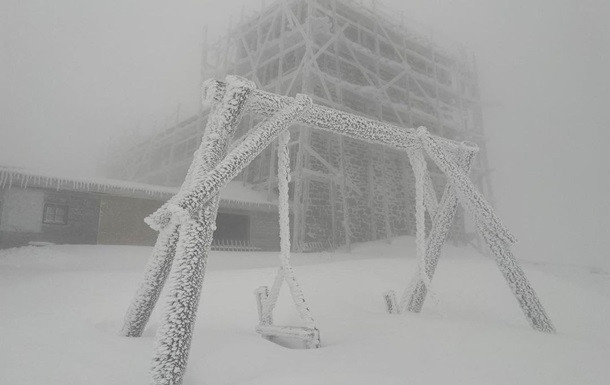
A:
(62, 310)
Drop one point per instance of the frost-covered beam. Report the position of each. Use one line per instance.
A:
(209, 185)
(266, 104)
(174, 336)
(155, 274)
(468, 194)
(418, 162)
(267, 299)
(517, 281)
(413, 298)
(173, 339)
(430, 195)
(494, 235)
(228, 101)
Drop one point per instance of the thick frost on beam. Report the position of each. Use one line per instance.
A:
(155, 275)
(517, 281)
(266, 300)
(240, 157)
(418, 162)
(173, 339)
(195, 237)
(470, 197)
(219, 131)
(413, 298)
(266, 104)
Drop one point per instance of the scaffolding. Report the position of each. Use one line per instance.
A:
(352, 58)
(186, 222)
(360, 60)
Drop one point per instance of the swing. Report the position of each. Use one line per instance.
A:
(186, 222)
(266, 299)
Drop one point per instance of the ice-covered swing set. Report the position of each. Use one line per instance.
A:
(187, 221)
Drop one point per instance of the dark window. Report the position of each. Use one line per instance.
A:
(55, 214)
(232, 227)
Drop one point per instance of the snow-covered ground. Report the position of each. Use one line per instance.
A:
(61, 308)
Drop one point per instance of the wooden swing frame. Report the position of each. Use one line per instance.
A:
(186, 222)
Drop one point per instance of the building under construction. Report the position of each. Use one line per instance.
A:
(350, 57)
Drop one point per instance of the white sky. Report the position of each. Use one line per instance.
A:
(75, 74)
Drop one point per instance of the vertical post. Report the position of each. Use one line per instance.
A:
(333, 216)
(386, 203)
(297, 194)
(174, 336)
(283, 179)
(371, 180)
(344, 201)
(270, 176)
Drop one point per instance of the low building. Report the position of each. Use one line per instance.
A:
(36, 208)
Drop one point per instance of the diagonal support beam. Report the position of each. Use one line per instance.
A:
(496, 237)
(468, 194)
(155, 275)
(517, 281)
(157, 270)
(430, 195)
(413, 300)
(208, 186)
(173, 339)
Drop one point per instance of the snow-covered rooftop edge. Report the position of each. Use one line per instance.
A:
(235, 194)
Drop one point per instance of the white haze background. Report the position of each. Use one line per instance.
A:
(77, 75)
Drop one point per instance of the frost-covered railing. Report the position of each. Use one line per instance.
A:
(186, 222)
(233, 245)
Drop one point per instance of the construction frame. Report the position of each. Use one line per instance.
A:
(362, 60)
(186, 222)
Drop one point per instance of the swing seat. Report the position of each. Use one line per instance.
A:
(310, 336)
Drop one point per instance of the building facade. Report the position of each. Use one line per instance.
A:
(353, 58)
(41, 209)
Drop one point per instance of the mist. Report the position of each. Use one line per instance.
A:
(77, 77)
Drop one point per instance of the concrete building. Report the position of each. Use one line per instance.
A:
(349, 57)
(37, 209)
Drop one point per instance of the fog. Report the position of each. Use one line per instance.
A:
(76, 76)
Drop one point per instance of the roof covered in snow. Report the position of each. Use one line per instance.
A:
(235, 194)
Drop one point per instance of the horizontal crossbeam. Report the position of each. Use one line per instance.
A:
(267, 104)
